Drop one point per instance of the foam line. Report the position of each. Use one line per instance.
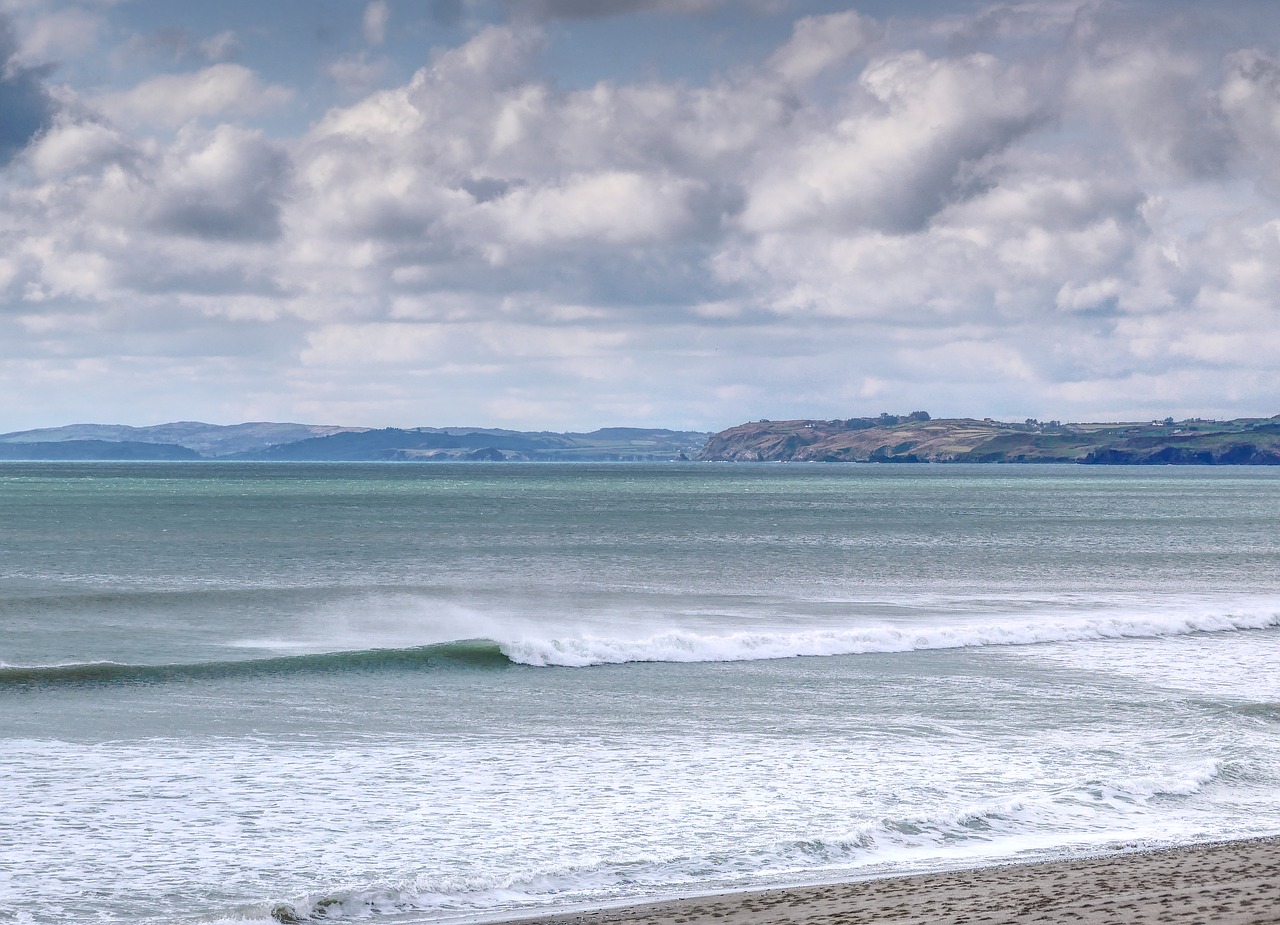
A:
(685, 646)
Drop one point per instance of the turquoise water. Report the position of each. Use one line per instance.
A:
(409, 693)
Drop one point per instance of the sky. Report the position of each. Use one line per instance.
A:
(567, 214)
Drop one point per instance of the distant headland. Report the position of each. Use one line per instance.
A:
(908, 438)
(916, 437)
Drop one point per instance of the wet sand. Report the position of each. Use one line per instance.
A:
(1224, 883)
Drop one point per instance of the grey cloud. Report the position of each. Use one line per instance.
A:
(161, 275)
(25, 106)
(79, 143)
(539, 167)
(1155, 100)
(486, 189)
(397, 163)
(901, 151)
(947, 220)
(227, 187)
(564, 158)
(1156, 77)
(1033, 246)
(1250, 98)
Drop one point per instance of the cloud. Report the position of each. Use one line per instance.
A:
(1250, 98)
(217, 91)
(374, 22)
(1028, 210)
(25, 105)
(225, 185)
(113, 223)
(610, 208)
(900, 151)
(818, 42)
(174, 44)
(358, 74)
(220, 47)
(71, 147)
(1152, 97)
(57, 35)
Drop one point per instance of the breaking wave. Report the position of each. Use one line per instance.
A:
(684, 646)
(674, 646)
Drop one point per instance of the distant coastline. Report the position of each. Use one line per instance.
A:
(911, 438)
(916, 438)
(272, 442)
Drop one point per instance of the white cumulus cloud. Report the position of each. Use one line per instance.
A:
(221, 90)
(1047, 209)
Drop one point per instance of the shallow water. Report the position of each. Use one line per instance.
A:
(409, 692)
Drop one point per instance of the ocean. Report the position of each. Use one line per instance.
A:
(413, 693)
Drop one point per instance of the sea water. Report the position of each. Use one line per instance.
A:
(420, 692)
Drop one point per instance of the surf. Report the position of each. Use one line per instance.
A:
(688, 646)
(568, 650)
(1096, 815)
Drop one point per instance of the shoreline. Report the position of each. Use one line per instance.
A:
(1223, 883)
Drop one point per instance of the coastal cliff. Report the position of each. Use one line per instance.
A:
(916, 438)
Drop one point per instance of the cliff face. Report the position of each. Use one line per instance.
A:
(1232, 453)
(1249, 441)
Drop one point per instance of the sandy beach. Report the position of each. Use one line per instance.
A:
(1224, 883)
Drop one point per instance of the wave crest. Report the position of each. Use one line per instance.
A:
(685, 646)
(673, 646)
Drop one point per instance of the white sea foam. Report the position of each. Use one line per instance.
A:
(469, 824)
(1090, 814)
(689, 646)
